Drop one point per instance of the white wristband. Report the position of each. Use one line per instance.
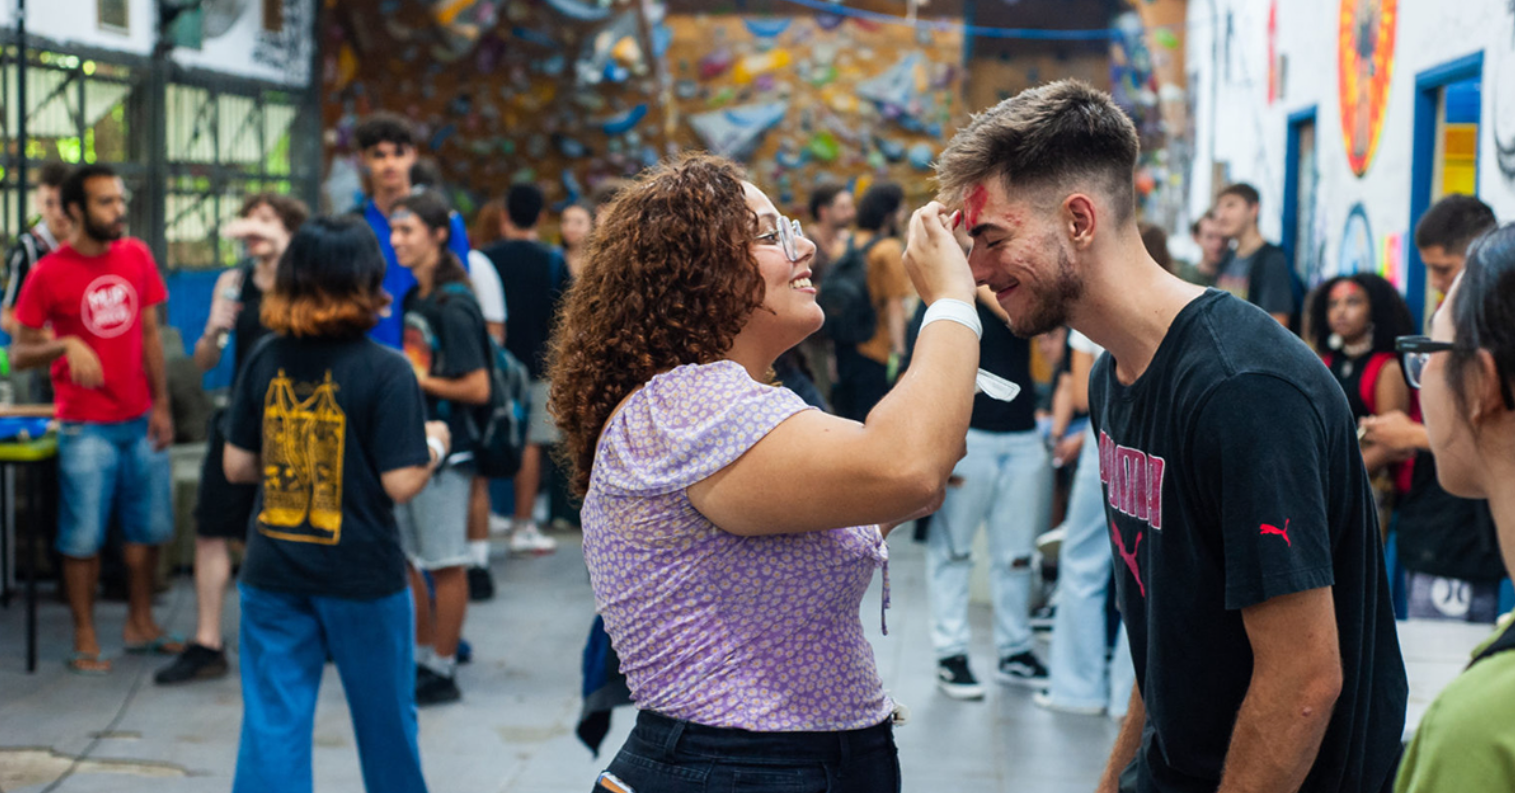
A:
(436, 446)
(954, 311)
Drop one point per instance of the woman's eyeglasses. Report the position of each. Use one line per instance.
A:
(1415, 352)
(787, 234)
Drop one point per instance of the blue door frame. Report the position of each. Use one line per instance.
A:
(1422, 168)
(1297, 120)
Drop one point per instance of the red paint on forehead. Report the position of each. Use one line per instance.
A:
(975, 204)
(1345, 289)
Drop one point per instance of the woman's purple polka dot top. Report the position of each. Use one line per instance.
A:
(754, 633)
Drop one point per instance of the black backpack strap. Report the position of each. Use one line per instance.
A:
(1506, 641)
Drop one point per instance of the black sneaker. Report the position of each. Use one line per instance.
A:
(434, 689)
(1042, 618)
(197, 662)
(1022, 670)
(480, 584)
(955, 680)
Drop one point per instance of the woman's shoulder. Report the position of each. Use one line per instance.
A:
(687, 423)
(1474, 709)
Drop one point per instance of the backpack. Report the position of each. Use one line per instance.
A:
(843, 296)
(498, 427)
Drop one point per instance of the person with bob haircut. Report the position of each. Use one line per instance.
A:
(332, 425)
(1465, 371)
(735, 613)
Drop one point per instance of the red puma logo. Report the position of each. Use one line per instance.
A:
(1283, 532)
(1129, 558)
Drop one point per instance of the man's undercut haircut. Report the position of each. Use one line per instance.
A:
(73, 191)
(822, 198)
(385, 127)
(1065, 135)
(53, 174)
(1244, 191)
(1453, 223)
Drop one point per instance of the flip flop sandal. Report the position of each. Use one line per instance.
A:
(75, 661)
(164, 644)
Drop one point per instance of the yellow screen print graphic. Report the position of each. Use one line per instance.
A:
(303, 445)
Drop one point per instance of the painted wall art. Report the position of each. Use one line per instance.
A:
(1365, 65)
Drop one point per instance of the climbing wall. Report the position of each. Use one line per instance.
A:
(567, 93)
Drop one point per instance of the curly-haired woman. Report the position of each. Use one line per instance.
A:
(717, 505)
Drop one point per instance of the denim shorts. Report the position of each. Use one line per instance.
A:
(664, 755)
(111, 468)
(434, 524)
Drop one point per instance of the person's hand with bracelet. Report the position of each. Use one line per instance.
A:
(439, 441)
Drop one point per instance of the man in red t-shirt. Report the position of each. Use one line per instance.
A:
(112, 402)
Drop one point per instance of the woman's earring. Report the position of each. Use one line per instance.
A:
(1335, 341)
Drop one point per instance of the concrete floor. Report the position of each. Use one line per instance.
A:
(513, 731)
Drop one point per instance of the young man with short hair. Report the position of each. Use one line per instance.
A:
(1445, 543)
(1250, 575)
(99, 294)
(50, 232)
(833, 212)
(1213, 247)
(1256, 270)
(533, 276)
(387, 147)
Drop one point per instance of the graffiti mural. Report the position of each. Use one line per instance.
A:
(1358, 252)
(1365, 65)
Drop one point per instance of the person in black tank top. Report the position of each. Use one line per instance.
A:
(265, 225)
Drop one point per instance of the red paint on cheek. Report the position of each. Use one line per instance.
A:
(975, 204)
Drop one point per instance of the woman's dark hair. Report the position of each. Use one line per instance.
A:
(876, 208)
(433, 211)
(1387, 311)
(330, 281)
(1483, 314)
(1156, 242)
(669, 279)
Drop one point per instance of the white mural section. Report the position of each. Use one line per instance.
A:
(1240, 131)
(235, 40)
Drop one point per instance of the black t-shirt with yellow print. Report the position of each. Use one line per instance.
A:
(328, 417)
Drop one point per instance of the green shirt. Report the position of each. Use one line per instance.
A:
(1466, 742)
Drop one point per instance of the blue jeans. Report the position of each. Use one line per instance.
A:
(111, 467)
(285, 641)
(1006, 486)
(1079, 674)
(663, 755)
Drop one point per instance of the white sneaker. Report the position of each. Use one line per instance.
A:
(499, 525)
(1044, 700)
(1050, 542)
(528, 539)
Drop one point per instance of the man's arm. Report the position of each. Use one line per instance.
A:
(896, 320)
(160, 423)
(1126, 744)
(1397, 432)
(1296, 679)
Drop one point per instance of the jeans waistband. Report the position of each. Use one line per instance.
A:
(659, 732)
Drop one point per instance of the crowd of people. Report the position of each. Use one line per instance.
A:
(688, 345)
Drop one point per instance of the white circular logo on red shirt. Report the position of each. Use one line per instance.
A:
(109, 307)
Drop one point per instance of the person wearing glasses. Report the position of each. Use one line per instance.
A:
(1446, 544)
(735, 612)
(1465, 372)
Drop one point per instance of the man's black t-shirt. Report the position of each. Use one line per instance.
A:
(1003, 353)
(532, 275)
(445, 336)
(1232, 476)
(328, 417)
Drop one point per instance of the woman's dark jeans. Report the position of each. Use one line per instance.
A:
(668, 756)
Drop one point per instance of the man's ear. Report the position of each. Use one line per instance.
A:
(1485, 397)
(1080, 220)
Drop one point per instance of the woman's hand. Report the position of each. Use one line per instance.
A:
(934, 258)
(437, 430)
(223, 316)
